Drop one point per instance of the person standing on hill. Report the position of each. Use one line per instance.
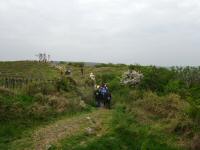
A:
(93, 79)
(92, 76)
(82, 71)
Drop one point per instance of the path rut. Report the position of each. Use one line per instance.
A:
(44, 137)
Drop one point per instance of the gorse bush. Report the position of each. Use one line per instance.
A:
(165, 106)
(66, 84)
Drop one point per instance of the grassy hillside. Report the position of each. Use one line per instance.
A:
(161, 112)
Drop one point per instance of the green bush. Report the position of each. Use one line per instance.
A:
(76, 64)
(121, 119)
(163, 106)
(156, 79)
(195, 94)
(66, 84)
(105, 77)
(88, 96)
(114, 85)
(194, 113)
(173, 86)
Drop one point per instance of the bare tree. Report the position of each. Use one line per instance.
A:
(49, 58)
(43, 57)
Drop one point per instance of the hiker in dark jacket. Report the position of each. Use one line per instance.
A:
(103, 91)
(105, 96)
(97, 95)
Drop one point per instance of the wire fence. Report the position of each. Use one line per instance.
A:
(18, 82)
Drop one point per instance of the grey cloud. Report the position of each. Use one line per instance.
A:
(160, 32)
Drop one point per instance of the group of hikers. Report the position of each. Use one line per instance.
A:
(101, 93)
(103, 96)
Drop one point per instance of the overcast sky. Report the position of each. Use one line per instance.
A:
(159, 32)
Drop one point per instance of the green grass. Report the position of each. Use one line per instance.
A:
(125, 133)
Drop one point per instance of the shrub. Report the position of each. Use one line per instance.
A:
(66, 84)
(194, 113)
(131, 78)
(155, 79)
(105, 77)
(135, 95)
(38, 111)
(104, 65)
(76, 64)
(59, 104)
(114, 85)
(121, 119)
(195, 94)
(88, 96)
(166, 106)
(49, 88)
(13, 107)
(40, 98)
(173, 86)
(9, 112)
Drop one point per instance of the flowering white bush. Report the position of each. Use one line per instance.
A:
(131, 78)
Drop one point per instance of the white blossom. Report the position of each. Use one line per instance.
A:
(131, 78)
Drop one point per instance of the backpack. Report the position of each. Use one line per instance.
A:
(103, 90)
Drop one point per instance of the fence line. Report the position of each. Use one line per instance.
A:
(17, 82)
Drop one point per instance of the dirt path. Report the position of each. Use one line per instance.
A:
(91, 123)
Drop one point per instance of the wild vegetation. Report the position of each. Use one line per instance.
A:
(161, 111)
